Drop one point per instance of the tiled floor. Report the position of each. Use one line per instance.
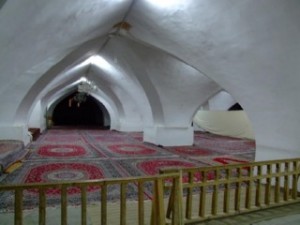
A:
(285, 220)
(284, 215)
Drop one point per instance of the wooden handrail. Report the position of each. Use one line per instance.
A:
(158, 208)
(196, 194)
(236, 188)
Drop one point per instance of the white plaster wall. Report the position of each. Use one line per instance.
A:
(132, 120)
(127, 58)
(29, 48)
(15, 132)
(221, 101)
(36, 117)
(132, 76)
(181, 89)
(174, 90)
(66, 70)
(251, 48)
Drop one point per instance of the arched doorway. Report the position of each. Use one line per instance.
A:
(86, 112)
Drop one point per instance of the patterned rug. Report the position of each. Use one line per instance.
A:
(63, 151)
(95, 154)
(140, 167)
(223, 144)
(41, 172)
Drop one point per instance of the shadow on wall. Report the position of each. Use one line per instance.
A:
(2, 2)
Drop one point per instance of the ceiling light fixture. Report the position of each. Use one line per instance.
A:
(84, 89)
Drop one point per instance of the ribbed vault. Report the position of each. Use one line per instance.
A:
(157, 63)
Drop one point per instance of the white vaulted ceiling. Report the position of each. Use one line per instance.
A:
(156, 62)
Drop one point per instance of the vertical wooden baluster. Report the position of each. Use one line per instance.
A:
(298, 176)
(258, 187)
(123, 204)
(154, 218)
(180, 197)
(141, 202)
(226, 191)
(64, 214)
(161, 208)
(214, 205)
(18, 206)
(83, 205)
(42, 206)
(154, 206)
(237, 198)
(295, 179)
(189, 203)
(268, 185)
(170, 207)
(286, 182)
(203, 187)
(104, 204)
(249, 188)
(159, 203)
(177, 217)
(277, 184)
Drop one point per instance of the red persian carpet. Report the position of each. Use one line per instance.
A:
(96, 154)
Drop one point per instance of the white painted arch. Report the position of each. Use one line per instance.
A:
(249, 48)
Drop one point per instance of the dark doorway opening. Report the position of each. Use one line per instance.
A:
(235, 107)
(86, 113)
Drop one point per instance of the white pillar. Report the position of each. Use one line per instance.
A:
(17, 132)
(130, 126)
(169, 136)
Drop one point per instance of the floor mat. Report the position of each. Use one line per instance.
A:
(96, 154)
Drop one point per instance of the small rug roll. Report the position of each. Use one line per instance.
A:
(13, 167)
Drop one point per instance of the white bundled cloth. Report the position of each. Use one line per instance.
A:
(227, 123)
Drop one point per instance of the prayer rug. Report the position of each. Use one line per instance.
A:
(63, 131)
(63, 151)
(96, 154)
(112, 137)
(102, 132)
(61, 139)
(41, 172)
(133, 150)
(137, 136)
(142, 167)
(223, 144)
(223, 160)
(191, 151)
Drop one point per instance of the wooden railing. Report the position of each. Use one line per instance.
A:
(219, 191)
(193, 194)
(156, 182)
